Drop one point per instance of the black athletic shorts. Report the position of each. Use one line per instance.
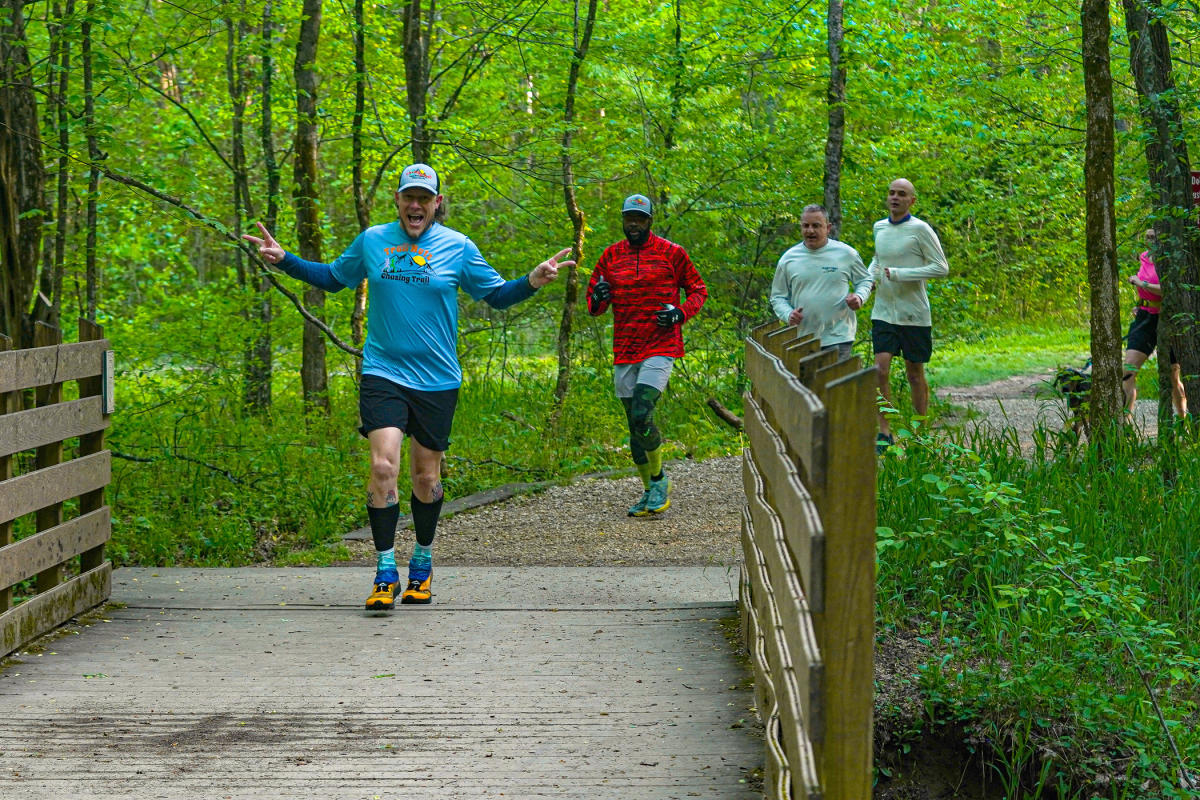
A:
(914, 342)
(425, 416)
(1143, 333)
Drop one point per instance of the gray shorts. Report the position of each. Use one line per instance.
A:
(654, 371)
(844, 349)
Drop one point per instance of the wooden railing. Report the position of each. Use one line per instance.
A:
(807, 594)
(64, 558)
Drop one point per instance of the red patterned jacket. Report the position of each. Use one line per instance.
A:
(642, 279)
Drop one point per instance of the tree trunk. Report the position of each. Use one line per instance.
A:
(1177, 255)
(313, 374)
(571, 285)
(1106, 396)
(63, 114)
(21, 178)
(258, 387)
(361, 209)
(416, 76)
(236, 72)
(679, 67)
(89, 121)
(837, 120)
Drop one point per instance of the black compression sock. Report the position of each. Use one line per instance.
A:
(425, 519)
(383, 526)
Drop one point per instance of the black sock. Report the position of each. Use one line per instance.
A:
(657, 477)
(383, 526)
(425, 519)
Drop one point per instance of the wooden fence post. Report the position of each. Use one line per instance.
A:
(91, 443)
(8, 403)
(48, 455)
(846, 627)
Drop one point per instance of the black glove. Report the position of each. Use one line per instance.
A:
(668, 316)
(602, 291)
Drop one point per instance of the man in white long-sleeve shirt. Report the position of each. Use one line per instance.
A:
(907, 253)
(811, 289)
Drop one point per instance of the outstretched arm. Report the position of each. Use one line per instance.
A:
(518, 289)
(311, 272)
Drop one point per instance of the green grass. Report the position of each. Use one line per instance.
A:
(993, 356)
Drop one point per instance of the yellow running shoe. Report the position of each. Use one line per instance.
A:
(418, 591)
(383, 593)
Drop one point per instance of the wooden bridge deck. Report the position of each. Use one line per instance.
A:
(248, 683)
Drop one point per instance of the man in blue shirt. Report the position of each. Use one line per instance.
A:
(414, 268)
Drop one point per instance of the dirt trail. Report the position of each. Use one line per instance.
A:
(1023, 402)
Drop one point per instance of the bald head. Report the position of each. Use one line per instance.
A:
(900, 198)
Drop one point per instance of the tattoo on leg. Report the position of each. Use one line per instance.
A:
(392, 498)
(438, 494)
(370, 498)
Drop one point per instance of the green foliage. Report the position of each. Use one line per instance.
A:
(1059, 630)
(198, 482)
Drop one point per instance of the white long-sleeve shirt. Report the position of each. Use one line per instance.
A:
(910, 250)
(817, 282)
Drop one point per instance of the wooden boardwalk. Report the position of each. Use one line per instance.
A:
(534, 682)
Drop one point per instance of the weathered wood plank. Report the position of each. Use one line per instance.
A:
(846, 629)
(786, 493)
(791, 606)
(801, 348)
(759, 332)
(806, 368)
(806, 781)
(830, 374)
(777, 778)
(775, 341)
(33, 490)
(791, 409)
(764, 684)
(44, 612)
(35, 427)
(39, 366)
(794, 736)
(53, 546)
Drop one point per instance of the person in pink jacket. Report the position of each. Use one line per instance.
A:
(1143, 333)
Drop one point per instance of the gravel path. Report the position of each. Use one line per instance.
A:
(585, 524)
(1022, 403)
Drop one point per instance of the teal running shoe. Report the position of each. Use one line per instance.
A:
(638, 509)
(658, 495)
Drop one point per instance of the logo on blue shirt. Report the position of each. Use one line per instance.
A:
(407, 268)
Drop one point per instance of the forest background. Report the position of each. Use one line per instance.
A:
(157, 132)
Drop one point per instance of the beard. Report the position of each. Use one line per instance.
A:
(637, 239)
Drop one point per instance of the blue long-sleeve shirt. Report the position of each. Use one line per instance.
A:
(412, 317)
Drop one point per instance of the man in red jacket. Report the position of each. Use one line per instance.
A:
(641, 278)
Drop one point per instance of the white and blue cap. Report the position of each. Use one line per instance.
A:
(638, 202)
(420, 176)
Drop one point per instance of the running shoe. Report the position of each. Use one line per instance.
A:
(638, 509)
(383, 593)
(419, 583)
(658, 495)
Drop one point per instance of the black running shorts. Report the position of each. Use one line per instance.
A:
(914, 342)
(425, 416)
(1143, 334)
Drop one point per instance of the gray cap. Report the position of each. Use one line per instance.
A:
(420, 176)
(638, 202)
